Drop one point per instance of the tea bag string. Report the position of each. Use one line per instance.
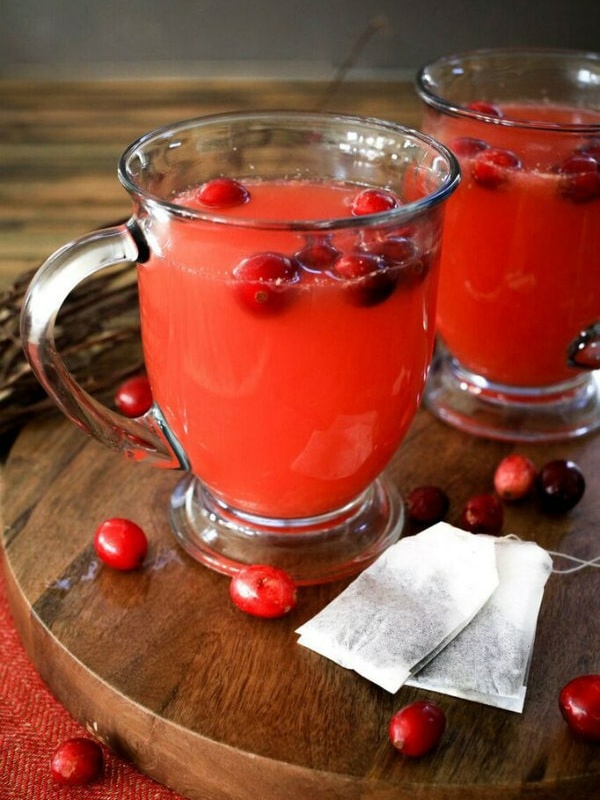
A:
(577, 563)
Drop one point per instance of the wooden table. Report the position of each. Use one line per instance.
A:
(159, 664)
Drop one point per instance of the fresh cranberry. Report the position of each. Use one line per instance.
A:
(317, 257)
(427, 504)
(417, 728)
(467, 146)
(561, 485)
(481, 107)
(483, 514)
(402, 255)
(580, 178)
(262, 281)
(222, 193)
(373, 201)
(579, 702)
(491, 168)
(368, 282)
(515, 477)
(134, 396)
(76, 762)
(394, 249)
(120, 543)
(263, 591)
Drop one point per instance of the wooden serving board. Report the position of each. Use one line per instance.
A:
(221, 706)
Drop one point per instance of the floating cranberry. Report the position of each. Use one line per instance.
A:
(427, 504)
(515, 477)
(222, 193)
(483, 514)
(374, 201)
(394, 249)
(262, 281)
(368, 281)
(134, 396)
(417, 728)
(263, 591)
(591, 147)
(482, 107)
(76, 762)
(492, 167)
(317, 257)
(579, 703)
(467, 146)
(580, 178)
(561, 485)
(120, 544)
(403, 256)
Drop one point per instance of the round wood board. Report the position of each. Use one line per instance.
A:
(222, 706)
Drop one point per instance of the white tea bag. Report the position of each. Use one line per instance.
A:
(488, 662)
(407, 606)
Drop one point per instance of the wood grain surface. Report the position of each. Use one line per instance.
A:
(158, 663)
(60, 143)
(218, 705)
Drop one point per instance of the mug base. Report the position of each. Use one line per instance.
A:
(477, 406)
(312, 550)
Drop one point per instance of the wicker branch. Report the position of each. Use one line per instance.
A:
(97, 335)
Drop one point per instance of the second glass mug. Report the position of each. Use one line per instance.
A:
(519, 304)
(287, 339)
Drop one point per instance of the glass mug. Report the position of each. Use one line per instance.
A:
(286, 336)
(519, 299)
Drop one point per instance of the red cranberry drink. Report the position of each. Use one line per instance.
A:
(520, 276)
(288, 271)
(288, 380)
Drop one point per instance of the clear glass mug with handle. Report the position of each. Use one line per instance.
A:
(519, 305)
(287, 273)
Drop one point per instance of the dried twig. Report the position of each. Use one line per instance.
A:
(97, 335)
(375, 25)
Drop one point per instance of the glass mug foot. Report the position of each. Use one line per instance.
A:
(312, 549)
(477, 406)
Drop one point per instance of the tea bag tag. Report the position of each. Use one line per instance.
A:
(406, 607)
(488, 662)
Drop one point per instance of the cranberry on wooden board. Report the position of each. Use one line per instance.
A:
(483, 513)
(560, 485)
(514, 477)
(134, 396)
(579, 703)
(427, 504)
(120, 544)
(417, 728)
(263, 591)
(76, 762)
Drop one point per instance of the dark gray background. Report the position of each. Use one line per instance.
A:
(303, 38)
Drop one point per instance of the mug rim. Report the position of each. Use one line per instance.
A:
(437, 101)
(399, 214)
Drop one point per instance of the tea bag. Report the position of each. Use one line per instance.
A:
(488, 662)
(402, 610)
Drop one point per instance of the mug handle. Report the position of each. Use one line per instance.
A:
(146, 438)
(584, 351)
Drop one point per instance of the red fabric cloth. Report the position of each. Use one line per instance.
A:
(33, 724)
